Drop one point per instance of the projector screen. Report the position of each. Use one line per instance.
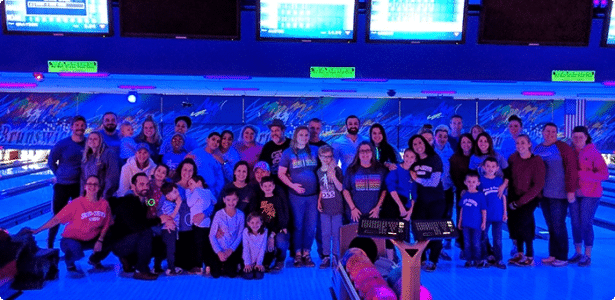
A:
(417, 20)
(306, 20)
(57, 17)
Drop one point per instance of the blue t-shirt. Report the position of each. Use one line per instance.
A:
(555, 181)
(113, 141)
(365, 186)
(173, 159)
(472, 204)
(495, 207)
(302, 168)
(210, 169)
(399, 180)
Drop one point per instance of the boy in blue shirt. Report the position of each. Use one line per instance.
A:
(472, 220)
(496, 208)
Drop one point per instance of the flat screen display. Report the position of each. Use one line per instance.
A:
(216, 19)
(608, 33)
(417, 20)
(79, 17)
(307, 19)
(536, 22)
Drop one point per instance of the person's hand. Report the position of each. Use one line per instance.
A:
(247, 269)
(392, 167)
(165, 218)
(459, 226)
(298, 188)
(571, 197)
(413, 175)
(402, 211)
(198, 218)
(284, 231)
(319, 206)
(170, 225)
(375, 212)
(483, 226)
(260, 268)
(221, 256)
(219, 233)
(512, 206)
(98, 246)
(355, 214)
(501, 190)
(331, 170)
(227, 253)
(407, 216)
(504, 218)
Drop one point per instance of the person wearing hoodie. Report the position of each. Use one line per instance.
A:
(592, 171)
(140, 163)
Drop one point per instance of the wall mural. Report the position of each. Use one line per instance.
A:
(40, 120)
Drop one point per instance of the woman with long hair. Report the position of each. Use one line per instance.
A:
(592, 171)
(100, 161)
(241, 182)
(460, 165)
(483, 148)
(430, 203)
(385, 153)
(186, 245)
(151, 136)
(364, 184)
(527, 179)
(300, 162)
(229, 154)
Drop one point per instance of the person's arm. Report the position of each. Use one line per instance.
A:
(460, 218)
(64, 216)
(338, 178)
(505, 216)
(103, 231)
(599, 171)
(284, 178)
(355, 213)
(262, 246)
(319, 202)
(215, 245)
(432, 181)
(178, 203)
(54, 157)
(240, 228)
(375, 212)
(483, 224)
(247, 257)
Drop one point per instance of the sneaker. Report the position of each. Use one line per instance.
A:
(491, 259)
(469, 264)
(548, 260)
(127, 267)
(326, 262)
(278, 266)
(500, 265)
(516, 259)
(430, 267)
(559, 263)
(173, 272)
(575, 258)
(307, 261)
(482, 264)
(73, 272)
(527, 262)
(97, 265)
(298, 262)
(445, 256)
(585, 261)
(145, 276)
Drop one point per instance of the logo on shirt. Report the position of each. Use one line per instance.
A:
(268, 209)
(93, 216)
(367, 182)
(423, 170)
(302, 162)
(470, 202)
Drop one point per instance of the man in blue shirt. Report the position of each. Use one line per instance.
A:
(110, 133)
(345, 146)
(65, 163)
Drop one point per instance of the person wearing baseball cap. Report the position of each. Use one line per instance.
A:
(139, 163)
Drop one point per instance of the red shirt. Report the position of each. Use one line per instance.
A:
(85, 219)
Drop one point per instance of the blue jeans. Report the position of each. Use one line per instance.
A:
(169, 239)
(73, 249)
(554, 211)
(496, 233)
(330, 225)
(304, 210)
(582, 213)
(472, 243)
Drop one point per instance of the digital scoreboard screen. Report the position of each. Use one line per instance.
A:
(609, 28)
(417, 20)
(57, 16)
(307, 19)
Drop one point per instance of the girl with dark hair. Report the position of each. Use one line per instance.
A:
(300, 161)
(592, 171)
(430, 203)
(364, 184)
(385, 153)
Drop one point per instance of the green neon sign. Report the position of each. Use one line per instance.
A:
(573, 76)
(66, 66)
(332, 72)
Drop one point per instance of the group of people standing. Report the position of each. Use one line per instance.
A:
(238, 207)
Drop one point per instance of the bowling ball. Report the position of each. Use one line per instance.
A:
(382, 292)
(425, 294)
(349, 253)
(370, 284)
(367, 245)
(369, 271)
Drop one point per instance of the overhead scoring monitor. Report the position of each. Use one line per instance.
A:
(417, 20)
(608, 34)
(81, 17)
(307, 19)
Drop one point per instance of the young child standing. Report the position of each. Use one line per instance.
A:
(472, 220)
(170, 206)
(330, 204)
(254, 246)
(273, 207)
(201, 202)
(496, 208)
(128, 146)
(230, 221)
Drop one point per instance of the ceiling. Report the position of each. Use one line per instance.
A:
(11, 82)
